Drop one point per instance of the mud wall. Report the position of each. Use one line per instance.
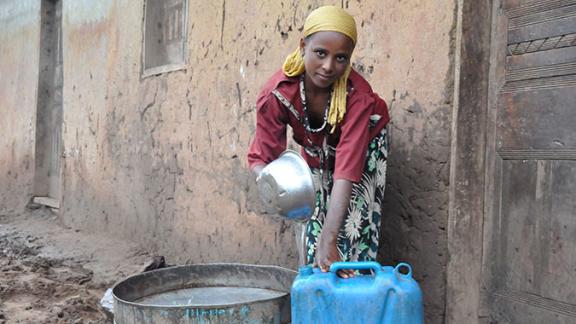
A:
(19, 60)
(417, 77)
(161, 160)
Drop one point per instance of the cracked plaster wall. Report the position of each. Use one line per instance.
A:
(161, 160)
(19, 65)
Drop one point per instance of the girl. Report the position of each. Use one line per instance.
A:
(340, 124)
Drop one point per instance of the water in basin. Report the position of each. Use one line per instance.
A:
(210, 296)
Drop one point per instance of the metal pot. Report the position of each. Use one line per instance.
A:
(205, 293)
(286, 187)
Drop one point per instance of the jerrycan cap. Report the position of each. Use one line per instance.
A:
(403, 269)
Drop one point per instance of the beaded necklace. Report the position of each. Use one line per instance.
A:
(321, 152)
(305, 108)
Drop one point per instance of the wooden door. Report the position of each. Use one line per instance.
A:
(529, 258)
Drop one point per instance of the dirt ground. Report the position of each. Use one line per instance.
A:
(53, 274)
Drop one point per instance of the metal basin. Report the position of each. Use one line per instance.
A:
(205, 293)
(286, 187)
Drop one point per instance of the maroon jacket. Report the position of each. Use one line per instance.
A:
(353, 133)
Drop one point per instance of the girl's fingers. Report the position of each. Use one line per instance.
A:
(342, 274)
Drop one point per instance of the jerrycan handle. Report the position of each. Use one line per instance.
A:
(363, 265)
(401, 266)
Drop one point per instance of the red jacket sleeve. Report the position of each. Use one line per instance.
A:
(270, 138)
(354, 139)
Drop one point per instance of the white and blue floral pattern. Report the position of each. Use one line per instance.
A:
(360, 232)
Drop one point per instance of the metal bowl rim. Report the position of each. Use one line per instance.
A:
(200, 265)
(301, 163)
(307, 187)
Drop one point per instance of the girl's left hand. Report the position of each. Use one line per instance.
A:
(327, 253)
(327, 250)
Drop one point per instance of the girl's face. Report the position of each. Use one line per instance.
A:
(326, 57)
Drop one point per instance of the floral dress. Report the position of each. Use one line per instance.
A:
(360, 231)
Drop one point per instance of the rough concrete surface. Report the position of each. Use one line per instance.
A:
(19, 55)
(161, 160)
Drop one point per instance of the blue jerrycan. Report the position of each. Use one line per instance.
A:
(389, 295)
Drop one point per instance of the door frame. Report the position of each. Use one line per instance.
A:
(47, 186)
(468, 160)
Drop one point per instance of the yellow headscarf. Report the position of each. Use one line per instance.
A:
(327, 18)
